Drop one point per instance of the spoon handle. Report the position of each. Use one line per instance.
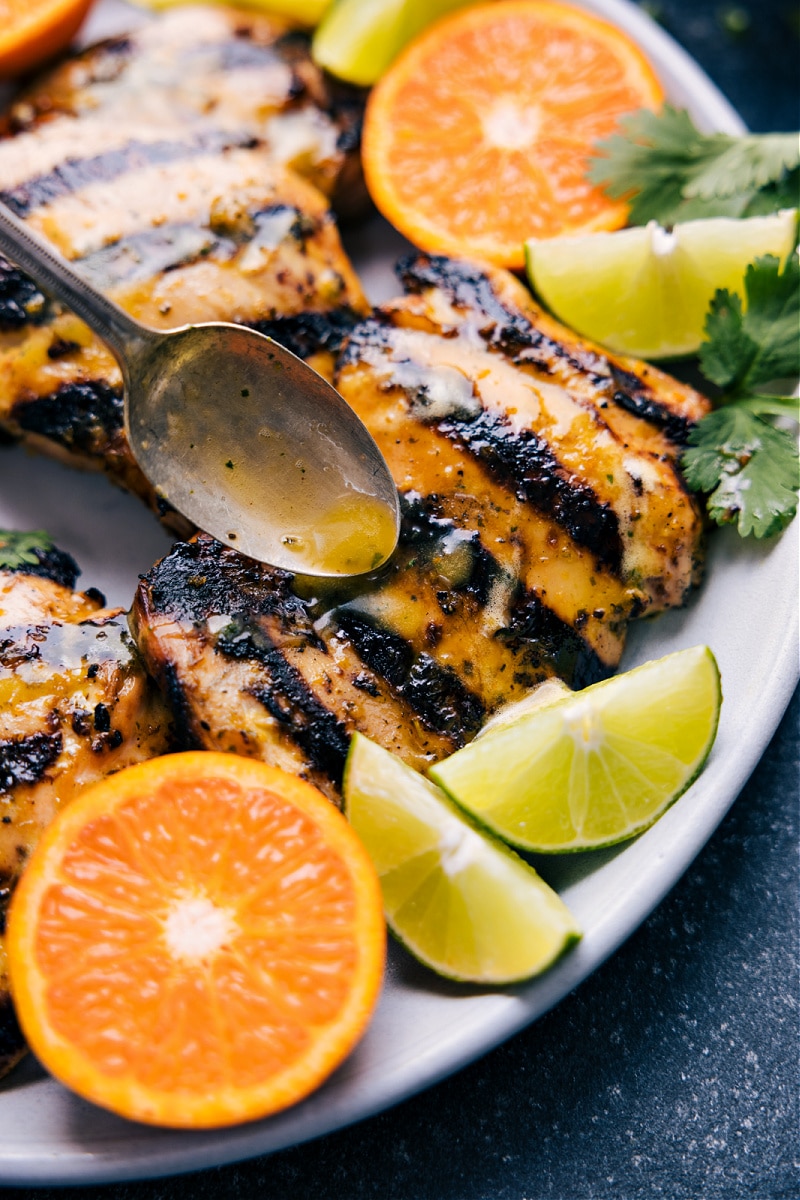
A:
(44, 264)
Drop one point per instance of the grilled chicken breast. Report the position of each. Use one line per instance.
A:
(145, 97)
(141, 161)
(75, 704)
(226, 237)
(542, 510)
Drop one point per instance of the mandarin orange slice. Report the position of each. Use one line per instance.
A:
(197, 941)
(478, 135)
(31, 31)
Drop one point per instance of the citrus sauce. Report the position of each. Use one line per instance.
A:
(323, 522)
(40, 660)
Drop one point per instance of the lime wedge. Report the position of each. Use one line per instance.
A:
(645, 291)
(595, 767)
(460, 901)
(359, 39)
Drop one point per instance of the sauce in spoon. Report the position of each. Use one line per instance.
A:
(235, 432)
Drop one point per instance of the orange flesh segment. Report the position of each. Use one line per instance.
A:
(32, 31)
(205, 949)
(478, 136)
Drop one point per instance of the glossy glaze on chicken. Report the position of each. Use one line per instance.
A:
(175, 168)
(75, 705)
(542, 510)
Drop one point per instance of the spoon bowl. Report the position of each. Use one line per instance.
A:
(237, 433)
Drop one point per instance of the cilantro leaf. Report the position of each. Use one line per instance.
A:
(727, 350)
(748, 163)
(670, 172)
(748, 347)
(19, 549)
(750, 468)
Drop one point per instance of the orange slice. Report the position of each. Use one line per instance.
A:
(197, 940)
(478, 135)
(31, 31)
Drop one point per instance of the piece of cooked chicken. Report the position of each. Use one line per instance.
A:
(223, 237)
(150, 96)
(542, 510)
(75, 705)
(157, 164)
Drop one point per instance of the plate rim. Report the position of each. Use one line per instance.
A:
(339, 1104)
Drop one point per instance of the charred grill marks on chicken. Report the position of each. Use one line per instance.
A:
(250, 75)
(535, 525)
(74, 174)
(84, 418)
(285, 695)
(467, 286)
(21, 302)
(26, 759)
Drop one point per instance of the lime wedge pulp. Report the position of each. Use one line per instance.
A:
(460, 901)
(598, 766)
(644, 291)
(359, 39)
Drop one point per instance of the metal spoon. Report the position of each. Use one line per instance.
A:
(236, 432)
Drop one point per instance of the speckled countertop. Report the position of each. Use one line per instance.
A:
(672, 1073)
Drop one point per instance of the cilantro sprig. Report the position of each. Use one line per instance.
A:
(19, 549)
(669, 171)
(748, 466)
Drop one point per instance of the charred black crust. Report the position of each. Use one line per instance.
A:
(12, 1043)
(465, 284)
(202, 577)
(549, 643)
(169, 677)
(385, 653)
(82, 417)
(21, 302)
(631, 395)
(307, 333)
(103, 61)
(422, 528)
(441, 700)
(348, 113)
(74, 174)
(436, 693)
(26, 759)
(526, 465)
(419, 524)
(289, 699)
(371, 333)
(7, 882)
(52, 564)
(507, 329)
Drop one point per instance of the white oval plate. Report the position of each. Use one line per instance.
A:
(425, 1029)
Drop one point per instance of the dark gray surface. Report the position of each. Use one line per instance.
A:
(671, 1074)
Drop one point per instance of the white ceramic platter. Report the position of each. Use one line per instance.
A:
(425, 1029)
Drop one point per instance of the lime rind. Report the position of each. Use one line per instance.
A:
(597, 767)
(645, 291)
(460, 901)
(358, 40)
